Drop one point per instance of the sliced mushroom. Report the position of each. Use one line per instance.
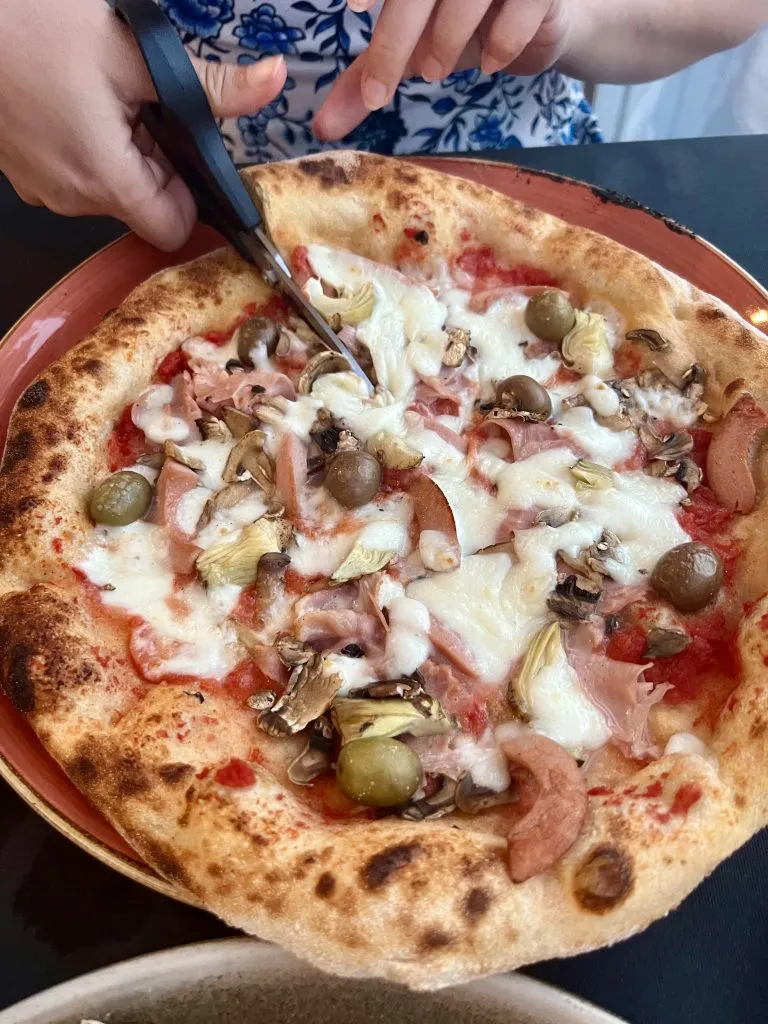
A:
(694, 379)
(318, 365)
(239, 423)
(293, 652)
(574, 597)
(214, 429)
(689, 475)
(542, 652)
(248, 456)
(357, 717)
(669, 448)
(473, 799)
(315, 758)
(311, 688)
(325, 433)
(556, 517)
(605, 556)
(405, 688)
(269, 577)
(459, 340)
(347, 442)
(238, 561)
(172, 451)
(225, 498)
(665, 643)
(262, 700)
(442, 802)
(154, 460)
(654, 340)
(256, 332)
(394, 452)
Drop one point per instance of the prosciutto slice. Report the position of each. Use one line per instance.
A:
(617, 689)
(183, 403)
(214, 387)
(291, 473)
(527, 439)
(334, 629)
(173, 483)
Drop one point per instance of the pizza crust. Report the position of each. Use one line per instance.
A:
(427, 904)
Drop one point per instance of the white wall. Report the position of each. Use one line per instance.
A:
(726, 94)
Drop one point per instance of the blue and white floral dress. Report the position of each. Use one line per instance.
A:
(320, 38)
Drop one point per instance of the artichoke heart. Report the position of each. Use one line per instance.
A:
(394, 452)
(591, 476)
(238, 561)
(585, 347)
(543, 651)
(361, 561)
(357, 717)
(351, 309)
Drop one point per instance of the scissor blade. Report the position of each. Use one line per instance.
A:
(277, 274)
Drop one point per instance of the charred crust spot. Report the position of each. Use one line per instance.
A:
(18, 682)
(406, 177)
(175, 773)
(259, 840)
(328, 172)
(82, 769)
(710, 314)
(56, 466)
(381, 866)
(435, 938)
(36, 395)
(477, 903)
(130, 777)
(326, 884)
(92, 367)
(732, 387)
(165, 861)
(757, 729)
(51, 434)
(215, 870)
(28, 504)
(604, 879)
(397, 198)
(20, 448)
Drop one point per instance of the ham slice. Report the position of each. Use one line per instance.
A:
(330, 599)
(433, 424)
(328, 630)
(527, 439)
(435, 395)
(183, 403)
(173, 483)
(214, 387)
(731, 455)
(617, 596)
(291, 473)
(516, 519)
(453, 647)
(552, 824)
(617, 689)
(438, 540)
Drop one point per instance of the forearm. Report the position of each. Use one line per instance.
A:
(639, 40)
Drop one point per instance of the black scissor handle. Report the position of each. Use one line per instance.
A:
(183, 125)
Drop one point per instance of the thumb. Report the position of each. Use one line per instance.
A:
(235, 89)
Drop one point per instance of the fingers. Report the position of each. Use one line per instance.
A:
(343, 108)
(454, 24)
(512, 29)
(398, 30)
(161, 209)
(236, 89)
(358, 6)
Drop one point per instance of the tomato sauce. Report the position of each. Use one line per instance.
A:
(300, 265)
(688, 795)
(237, 774)
(628, 360)
(481, 264)
(173, 364)
(126, 442)
(245, 679)
(707, 522)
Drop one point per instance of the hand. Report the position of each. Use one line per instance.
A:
(71, 82)
(432, 38)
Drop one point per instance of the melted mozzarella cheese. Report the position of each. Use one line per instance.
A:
(213, 455)
(687, 743)
(356, 673)
(151, 414)
(485, 762)
(601, 396)
(543, 480)
(607, 447)
(134, 561)
(497, 335)
(346, 397)
(664, 403)
(408, 643)
(226, 523)
(560, 710)
(300, 415)
(190, 508)
(207, 352)
(319, 556)
(477, 513)
(403, 312)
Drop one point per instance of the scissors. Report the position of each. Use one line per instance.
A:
(183, 125)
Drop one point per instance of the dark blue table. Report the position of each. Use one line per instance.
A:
(62, 913)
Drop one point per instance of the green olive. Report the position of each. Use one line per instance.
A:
(550, 315)
(378, 772)
(122, 498)
(353, 478)
(255, 331)
(526, 395)
(689, 576)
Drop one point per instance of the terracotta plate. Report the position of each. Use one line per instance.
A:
(67, 312)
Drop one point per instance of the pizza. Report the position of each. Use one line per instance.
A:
(426, 683)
